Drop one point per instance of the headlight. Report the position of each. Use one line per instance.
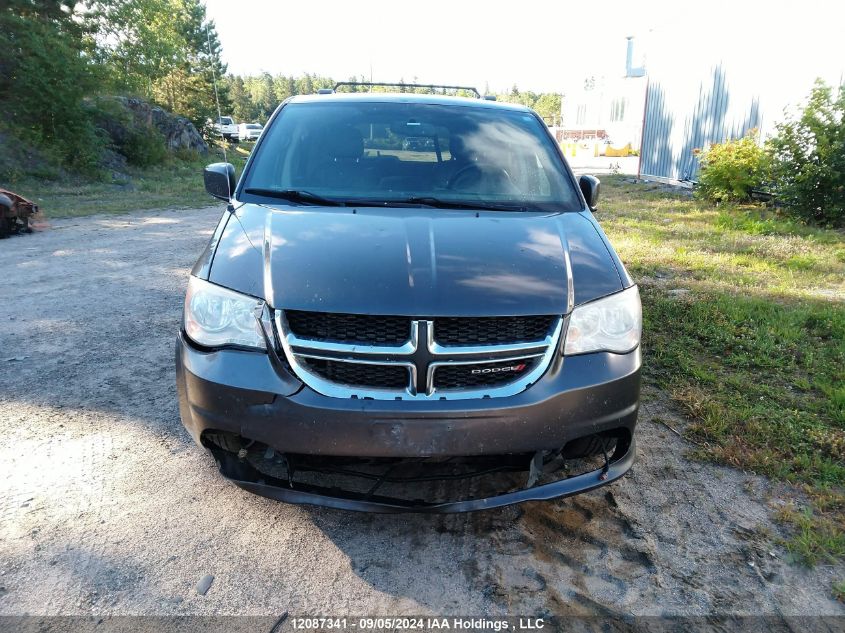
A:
(215, 316)
(612, 324)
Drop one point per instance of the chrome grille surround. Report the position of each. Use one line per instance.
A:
(421, 356)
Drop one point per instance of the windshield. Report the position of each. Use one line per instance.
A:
(400, 152)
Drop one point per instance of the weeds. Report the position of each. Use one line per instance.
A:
(744, 327)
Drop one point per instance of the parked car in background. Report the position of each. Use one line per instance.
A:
(227, 128)
(249, 131)
(365, 323)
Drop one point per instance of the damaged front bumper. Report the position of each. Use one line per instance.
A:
(243, 394)
(245, 475)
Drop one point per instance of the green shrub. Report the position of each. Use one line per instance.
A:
(139, 142)
(20, 159)
(808, 158)
(143, 146)
(186, 155)
(731, 170)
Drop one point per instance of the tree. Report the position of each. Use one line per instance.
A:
(283, 87)
(185, 93)
(267, 96)
(203, 57)
(242, 108)
(165, 50)
(139, 41)
(262, 92)
(322, 82)
(46, 70)
(305, 86)
(548, 106)
(808, 157)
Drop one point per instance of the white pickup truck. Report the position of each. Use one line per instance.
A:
(227, 128)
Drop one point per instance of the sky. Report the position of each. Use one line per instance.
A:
(536, 45)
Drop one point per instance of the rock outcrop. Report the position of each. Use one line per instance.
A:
(178, 132)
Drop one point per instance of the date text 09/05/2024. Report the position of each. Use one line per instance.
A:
(305, 623)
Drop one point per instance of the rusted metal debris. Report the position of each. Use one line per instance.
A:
(15, 213)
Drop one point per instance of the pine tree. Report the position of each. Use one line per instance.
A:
(306, 85)
(242, 108)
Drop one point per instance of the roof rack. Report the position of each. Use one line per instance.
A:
(396, 85)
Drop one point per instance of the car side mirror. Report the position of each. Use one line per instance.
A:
(220, 180)
(590, 188)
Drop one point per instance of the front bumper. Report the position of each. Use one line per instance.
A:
(247, 477)
(246, 394)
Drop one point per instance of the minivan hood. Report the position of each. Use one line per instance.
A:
(415, 262)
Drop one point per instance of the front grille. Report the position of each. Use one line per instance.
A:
(481, 374)
(491, 330)
(349, 328)
(359, 374)
(390, 357)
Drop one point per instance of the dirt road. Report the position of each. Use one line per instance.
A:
(107, 507)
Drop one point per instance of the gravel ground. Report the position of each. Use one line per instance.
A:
(108, 508)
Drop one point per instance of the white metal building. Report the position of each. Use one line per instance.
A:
(728, 74)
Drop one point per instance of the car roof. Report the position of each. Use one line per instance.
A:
(405, 97)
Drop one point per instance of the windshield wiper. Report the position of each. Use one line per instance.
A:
(295, 195)
(454, 204)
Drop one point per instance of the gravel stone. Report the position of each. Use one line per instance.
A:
(204, 584)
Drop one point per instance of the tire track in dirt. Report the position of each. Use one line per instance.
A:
(575, 557)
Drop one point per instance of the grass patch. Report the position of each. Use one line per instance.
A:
(175, 184)
(839, 590)
(817, 537)
(744, 326)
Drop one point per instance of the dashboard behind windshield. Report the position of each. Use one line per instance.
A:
(394, 152)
